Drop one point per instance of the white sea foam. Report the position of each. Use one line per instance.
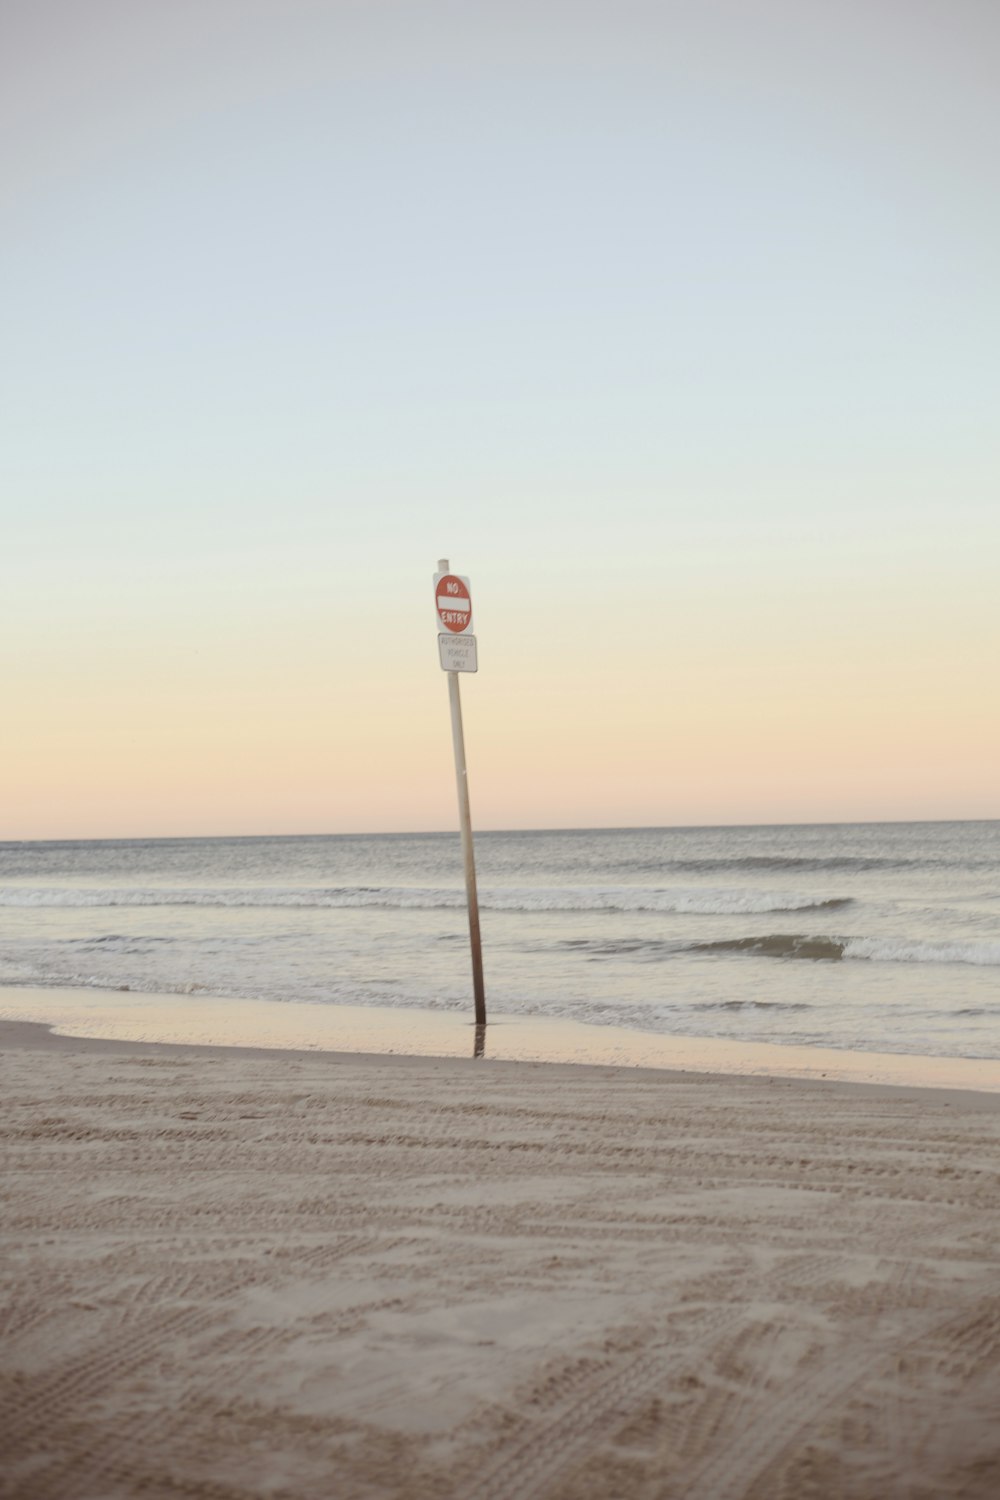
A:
(910, 951)
(625, 898)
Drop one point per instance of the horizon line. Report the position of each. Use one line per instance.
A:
(180, 838)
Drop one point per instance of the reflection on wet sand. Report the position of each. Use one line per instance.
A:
(479, 1047)
(203, 1021)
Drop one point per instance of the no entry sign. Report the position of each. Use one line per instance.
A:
(454, 603)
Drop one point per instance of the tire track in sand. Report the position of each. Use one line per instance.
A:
(32, 1408)
(762, 1448)
(595, 1403)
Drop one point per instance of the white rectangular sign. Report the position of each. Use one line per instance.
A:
(458, 653)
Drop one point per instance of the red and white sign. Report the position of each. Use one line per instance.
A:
(454, 603)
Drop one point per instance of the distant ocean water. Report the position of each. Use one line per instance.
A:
(869, 937)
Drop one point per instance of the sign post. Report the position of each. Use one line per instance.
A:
(457, 651)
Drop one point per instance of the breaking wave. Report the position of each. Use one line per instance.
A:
(695, 900)
(776, 945)
(907, 951)
(833, 949)
(754, 864)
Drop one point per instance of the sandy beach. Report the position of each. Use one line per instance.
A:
(239, 1274)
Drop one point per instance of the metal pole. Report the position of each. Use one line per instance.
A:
(465, 820)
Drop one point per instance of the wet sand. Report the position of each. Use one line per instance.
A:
(238, 1274)
(202, 1020)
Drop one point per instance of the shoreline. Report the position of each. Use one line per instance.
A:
(269, 1027)
(40, 1037)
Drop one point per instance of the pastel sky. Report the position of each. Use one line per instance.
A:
(673, 325)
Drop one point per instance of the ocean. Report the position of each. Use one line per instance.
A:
(860, 937)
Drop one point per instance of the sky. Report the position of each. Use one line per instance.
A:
(674, 326)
